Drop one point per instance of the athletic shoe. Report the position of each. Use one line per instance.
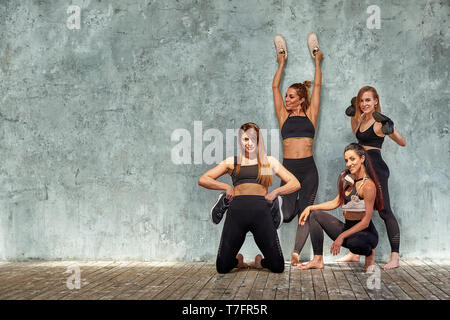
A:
(219, 209)
(277, 214)
(313, 44)
(280, 44)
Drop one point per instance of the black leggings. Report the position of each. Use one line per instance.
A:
(305, 171)
(382, 171)
(360, 243)
(249, 213)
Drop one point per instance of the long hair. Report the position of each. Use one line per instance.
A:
(302, 90)
(370, 172)
(358, 100)
(264, 170)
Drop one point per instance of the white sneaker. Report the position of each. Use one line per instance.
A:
(280, 44)
(313, 44)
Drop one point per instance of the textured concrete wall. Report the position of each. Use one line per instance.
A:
(87, 116)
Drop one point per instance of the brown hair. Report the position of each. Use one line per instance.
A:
(264, 170)
(360, 151)
(302, 90)
(358, 100)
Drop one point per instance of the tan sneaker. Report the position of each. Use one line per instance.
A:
(313, 44)
(280, 44)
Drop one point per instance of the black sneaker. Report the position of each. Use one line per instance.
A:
(219, 209)
(277, 214)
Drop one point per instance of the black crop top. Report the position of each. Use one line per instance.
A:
(297, 127)
(247, 174)
(369, 138)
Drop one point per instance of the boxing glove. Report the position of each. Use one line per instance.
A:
(346, 178)
(350, 111)
(387, 126)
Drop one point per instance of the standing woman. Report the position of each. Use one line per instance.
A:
(249, 202)
(297, 117)
(370, 128)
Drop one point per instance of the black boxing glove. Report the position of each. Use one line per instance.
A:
(387, 126)
(350, 111)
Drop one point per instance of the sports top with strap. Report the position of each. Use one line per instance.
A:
(353, 202)
(369, 138)
(247, 174)
(297, 127)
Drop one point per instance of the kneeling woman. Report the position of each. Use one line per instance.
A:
(358, 191)
(250, 203)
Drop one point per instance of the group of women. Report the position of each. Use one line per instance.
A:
(362, 186)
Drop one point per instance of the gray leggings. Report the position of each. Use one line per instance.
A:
(360, 243)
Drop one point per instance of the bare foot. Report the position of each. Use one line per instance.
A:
(241, 263)
(393, 263)
(257, 263)
(349, 257)
(295, 259)
(315, 263)
(370, 261)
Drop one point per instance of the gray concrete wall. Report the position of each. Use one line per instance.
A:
(87, 116)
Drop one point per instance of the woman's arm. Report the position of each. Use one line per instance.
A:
(280, 109)
(292, 184)
(208, 179)
(315, 96)
(328, 205)
(355, 123)
(398, 138)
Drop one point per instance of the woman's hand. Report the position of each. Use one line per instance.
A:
(229, 193)
(336, 246)
(281, 58)
(318, 56)
(271, 196)
(304, 216)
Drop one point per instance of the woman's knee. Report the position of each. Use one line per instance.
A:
(223, 266)
(288, 218)
(314, 214)
(359, 246)
(278, 266)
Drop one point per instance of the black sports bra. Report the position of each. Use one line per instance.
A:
(369, 138)
(297, 127)
(247, 174)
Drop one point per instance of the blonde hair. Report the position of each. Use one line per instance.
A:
(264, 170)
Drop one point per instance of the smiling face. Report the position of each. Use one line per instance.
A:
(249, 141)
(292, 99)
(353, 161)
(368, 102)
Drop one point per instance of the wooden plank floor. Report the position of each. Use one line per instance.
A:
(416, 279)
